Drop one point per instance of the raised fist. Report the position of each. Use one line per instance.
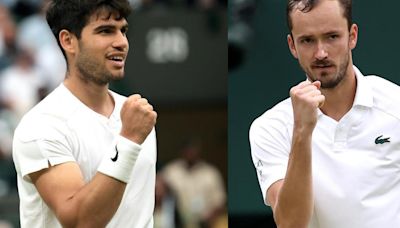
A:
(306, 99)
(138, 119)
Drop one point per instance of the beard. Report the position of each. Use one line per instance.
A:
(93, 70)
(328, 81)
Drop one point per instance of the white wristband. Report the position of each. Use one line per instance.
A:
(120, 162)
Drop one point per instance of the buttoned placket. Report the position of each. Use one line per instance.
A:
(343, 128)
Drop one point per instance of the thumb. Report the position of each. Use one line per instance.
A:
(317, 84)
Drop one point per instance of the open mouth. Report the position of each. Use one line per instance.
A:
(117, 60)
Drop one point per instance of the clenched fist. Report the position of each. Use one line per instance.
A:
(138, 119)
(306, 99)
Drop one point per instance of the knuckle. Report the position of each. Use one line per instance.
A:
(134, 97)
(293, 91)
(144, 101)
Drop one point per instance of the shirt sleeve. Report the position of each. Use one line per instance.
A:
(270, 148)
(38, 146)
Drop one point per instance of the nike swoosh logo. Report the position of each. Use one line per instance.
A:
(379, 140)
(114, 159)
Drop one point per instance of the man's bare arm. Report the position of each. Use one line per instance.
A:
(291, 198)
(75, 203)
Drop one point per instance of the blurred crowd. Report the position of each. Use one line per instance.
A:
(31, 65)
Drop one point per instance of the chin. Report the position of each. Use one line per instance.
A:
(117, 78)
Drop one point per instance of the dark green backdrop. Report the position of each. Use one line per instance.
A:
(269, 71)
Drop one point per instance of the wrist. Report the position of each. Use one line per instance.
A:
(303, 129)
(120, 161)
(137, 139)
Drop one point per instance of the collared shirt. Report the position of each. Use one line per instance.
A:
(356, 161)
(62, 129)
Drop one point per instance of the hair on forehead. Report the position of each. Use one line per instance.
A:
(307, 5)
(302, 5)
(106, 12)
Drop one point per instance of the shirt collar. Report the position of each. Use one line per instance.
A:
(364, 91)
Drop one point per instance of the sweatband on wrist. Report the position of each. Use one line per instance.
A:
(120, 162)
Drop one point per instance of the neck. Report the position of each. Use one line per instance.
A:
(96, 97)
(339, 100)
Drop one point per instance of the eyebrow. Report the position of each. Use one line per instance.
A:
(333, 32)
(110, 26)
(304, 37)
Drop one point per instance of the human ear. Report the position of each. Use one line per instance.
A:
(291, 45)
(353, 36)
(67, 41)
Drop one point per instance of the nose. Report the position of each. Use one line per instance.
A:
(321, 52)
(121, 42)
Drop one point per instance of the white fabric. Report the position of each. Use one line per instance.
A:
(356, 182)
(62, 129)
(125, 155)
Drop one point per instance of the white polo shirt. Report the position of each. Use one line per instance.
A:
(356, 161)
(62, 129)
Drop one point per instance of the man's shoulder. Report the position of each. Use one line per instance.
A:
(382, 85)
(385, 95)
(280, 114)
(50, 113)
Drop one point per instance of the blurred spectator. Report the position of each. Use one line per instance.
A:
(35, 34)
(166, 214)
(21, 87)
(7, 125)
(198, 186)
(8, 3)
(5, 224)
(21, 84)
(7, 38)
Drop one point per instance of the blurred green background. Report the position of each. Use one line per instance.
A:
(268, 71)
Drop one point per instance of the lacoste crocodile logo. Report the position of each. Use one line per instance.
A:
(114, 159)
(379, 140)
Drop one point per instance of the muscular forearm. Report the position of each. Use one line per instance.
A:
(98, 201)
(74, 202)
(295, 200)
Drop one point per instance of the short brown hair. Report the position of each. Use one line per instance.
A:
(308, 5)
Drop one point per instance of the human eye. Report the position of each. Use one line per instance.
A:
(124, 30)
(306, 40)
(105, 31)
(333, 36)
